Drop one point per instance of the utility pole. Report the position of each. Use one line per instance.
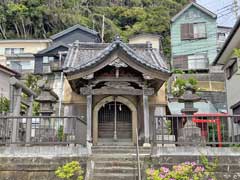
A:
(235, 8)
(103, 26)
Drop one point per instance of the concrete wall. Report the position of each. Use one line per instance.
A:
(188, 47)
(211, 85)
(4, 84)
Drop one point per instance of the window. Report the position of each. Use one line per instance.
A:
(236, 111)
(198, 61)
(46, 64)
(199, 30)
(180, 62)
(193, 31)
(231, 68)
(25, 65)
(221, 36)
(12, 51)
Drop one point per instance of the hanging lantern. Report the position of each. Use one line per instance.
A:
(120, 107)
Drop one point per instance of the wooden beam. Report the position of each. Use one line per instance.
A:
(117, 91)
(120, 79)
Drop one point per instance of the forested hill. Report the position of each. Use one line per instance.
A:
(25, 19)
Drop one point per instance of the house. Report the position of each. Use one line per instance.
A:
(18, 54)
(5, 74)
(193, 38)
(230, 63)
(52, 58)
(154, 39)
(114, 87)
(222, 34)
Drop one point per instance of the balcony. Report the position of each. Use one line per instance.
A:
(198, 64)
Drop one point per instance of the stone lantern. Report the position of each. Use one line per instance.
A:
(190, 133)
(47, 99)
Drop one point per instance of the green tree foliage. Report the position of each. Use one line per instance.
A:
(4, 105)
(42, 18)
(179, 86)
(237, 52)
(31, 82)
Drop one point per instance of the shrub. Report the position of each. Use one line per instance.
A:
(70, 171)
(183, 171)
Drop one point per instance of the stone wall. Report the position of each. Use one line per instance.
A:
(33, 168)
(37, 163)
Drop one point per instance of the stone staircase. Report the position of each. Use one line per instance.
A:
(116, 162)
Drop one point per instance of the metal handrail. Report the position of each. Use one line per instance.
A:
(138, 159)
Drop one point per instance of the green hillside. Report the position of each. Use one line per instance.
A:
(27, 19)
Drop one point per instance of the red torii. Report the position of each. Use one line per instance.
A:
(211, 118)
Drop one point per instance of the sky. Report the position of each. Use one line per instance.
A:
(224, 9)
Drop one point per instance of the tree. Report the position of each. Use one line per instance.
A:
(4, 105)
(180, 84)
(42, 18)
(31, 82)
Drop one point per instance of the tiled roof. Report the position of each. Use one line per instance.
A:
(84, 55)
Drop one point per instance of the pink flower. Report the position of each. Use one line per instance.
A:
(193, 163)
(151, 171)
(199, 169)
(162, 176)
(165, 170)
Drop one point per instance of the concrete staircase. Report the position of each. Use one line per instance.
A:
(111, 162)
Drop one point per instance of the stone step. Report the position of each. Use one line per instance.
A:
(115, 169)
(117, 157)
(119, 151)
(115, 163)
(114, 176)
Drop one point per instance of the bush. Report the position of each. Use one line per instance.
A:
(183, 171)
(70, 171)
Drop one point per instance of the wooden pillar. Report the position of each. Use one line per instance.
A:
(146, 119)
(29, 120)
(89, 118)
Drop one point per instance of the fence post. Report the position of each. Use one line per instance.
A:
(16, 102)
(29, 120)
(28, 130)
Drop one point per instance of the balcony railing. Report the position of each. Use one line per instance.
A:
(216, 130)
(198, 64)
(42, 130)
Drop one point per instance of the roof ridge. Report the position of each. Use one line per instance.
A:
(200, 7)
(72, 28)
(107, 50)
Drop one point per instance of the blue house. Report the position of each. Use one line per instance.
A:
(193, 38)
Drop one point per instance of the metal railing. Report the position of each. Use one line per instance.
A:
(216, 130)
(42, 130)
(138, 158)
